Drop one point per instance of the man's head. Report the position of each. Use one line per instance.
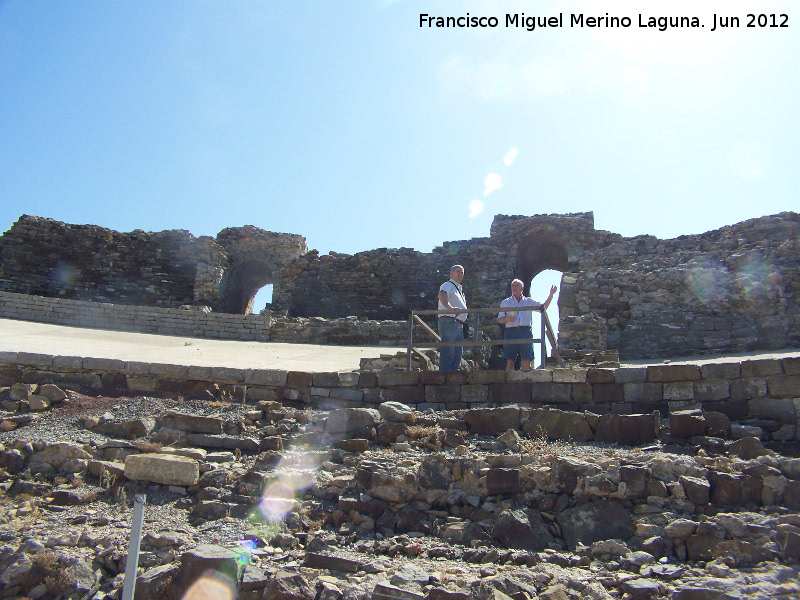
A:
(457, 273)
(516, 288)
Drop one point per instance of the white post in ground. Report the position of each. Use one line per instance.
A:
(132, 564)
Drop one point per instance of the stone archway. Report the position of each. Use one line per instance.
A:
(255, 259)
(538, 251)
(240, 284)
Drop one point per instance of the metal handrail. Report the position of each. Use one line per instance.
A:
(547, 333)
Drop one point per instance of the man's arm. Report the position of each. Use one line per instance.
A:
(446, 303)
(553, 290)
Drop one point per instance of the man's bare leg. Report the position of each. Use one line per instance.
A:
(526, 365)
(510, 364)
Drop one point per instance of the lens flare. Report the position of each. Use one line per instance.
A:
(277, 501)
(756, 278)
(211, 586)
(65, 275)
(244, 554)
(709, 282)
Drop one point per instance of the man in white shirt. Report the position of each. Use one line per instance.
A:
(451, 325)
(518, 325)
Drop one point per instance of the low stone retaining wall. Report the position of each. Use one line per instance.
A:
(197, 323)
(761, 393)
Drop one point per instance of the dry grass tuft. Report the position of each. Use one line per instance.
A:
(542, 447)
(146, 447)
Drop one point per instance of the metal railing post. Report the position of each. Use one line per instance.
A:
(544, 343)
(410, 335)
(132, 564)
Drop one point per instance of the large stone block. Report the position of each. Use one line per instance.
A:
(777, 409)
(630, 375)
(348, 394)
(103, 364)
(326, 379)
(672, 373)
(265, 377)
(487, 377)
(784, 387)
(474, 393)
(226, 442)
(608, 392)
(503, 481)
(510, 393)
(600, 375)
(556, 424)
(352, 422)
(722, 370)
(446, 394)
(569, 375)
(733, 409)
(169, 370)
(681, 390)
(551, 393)
(744, 389)
(643, 392)
(165, 469)
(626, 430)
(297, 379)
(595, 521)
(712, 389)
(729, 489)
(532, 376)
(409, 394)
(687, 423)
(761, 367)
(791, 365)
(492, 421)
(522, 530)
(228, 374)
(193, 423)
(433, 377)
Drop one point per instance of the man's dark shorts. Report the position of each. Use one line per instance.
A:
(511, 351)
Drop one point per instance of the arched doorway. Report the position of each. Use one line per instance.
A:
(240, 284)
(539, 290)
(262, 298)
(542, 257)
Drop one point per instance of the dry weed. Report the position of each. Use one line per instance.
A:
(418, 432)
(540, 446)
(49, 568)
(146, 447)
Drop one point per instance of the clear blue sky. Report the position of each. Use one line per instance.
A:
(348, 123)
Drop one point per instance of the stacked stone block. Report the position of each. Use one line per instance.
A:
(763, 396)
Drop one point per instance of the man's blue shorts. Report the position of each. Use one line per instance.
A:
(524, 351)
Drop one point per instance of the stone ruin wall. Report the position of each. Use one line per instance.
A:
(166, 269)
(730, 290)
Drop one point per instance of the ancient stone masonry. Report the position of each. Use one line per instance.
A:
(730, 290)
(48, 258)
(166, 269)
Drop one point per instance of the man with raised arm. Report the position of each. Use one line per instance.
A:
(518, 325)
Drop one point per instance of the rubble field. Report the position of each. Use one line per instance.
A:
(278, 502)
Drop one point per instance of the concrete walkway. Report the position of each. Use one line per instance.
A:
(41, 338)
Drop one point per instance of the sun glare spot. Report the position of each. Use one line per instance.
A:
(475, 208)
(277, 501)
(211, 586)
(492, 183)
(510, 157)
